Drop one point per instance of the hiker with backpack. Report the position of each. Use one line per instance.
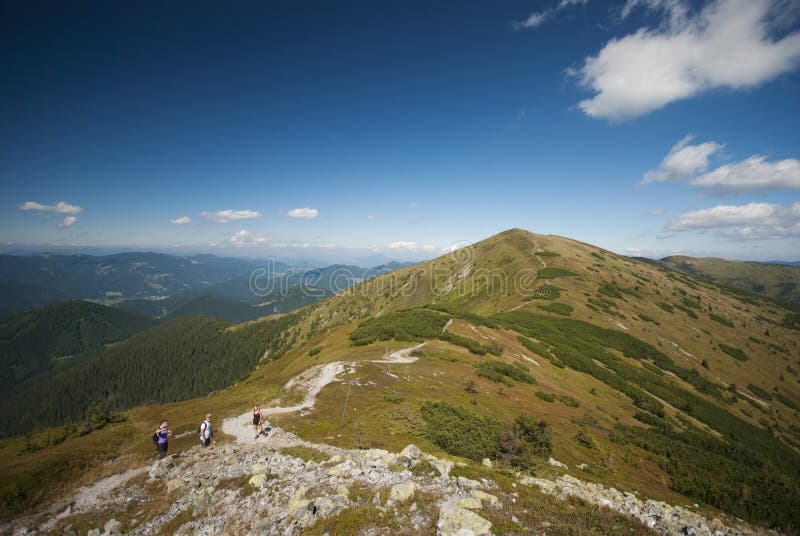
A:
(204, 431)
(160, 438)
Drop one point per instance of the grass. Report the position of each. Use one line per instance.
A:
(552, 273)
(307, 454)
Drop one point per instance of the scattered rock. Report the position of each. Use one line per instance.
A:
(457, 521)
(443, 466)
(410, 454)
(257, 481)
(484, 497)
(466, 483)
(402, 492)
(555, 463)
(487, 462)
(162, 466)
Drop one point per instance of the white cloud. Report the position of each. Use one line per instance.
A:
(225, 216)
(755, 173)
(567, 3)
(183, 220)
(374, 216)
(657, 212)
(683, 161)
(61, 207)
(246, 238)
(306, 213)
(726, 45)
(68, 221)
(725, 216)
(411, 246)
(534, 19)
(754, 221)
(412, 205)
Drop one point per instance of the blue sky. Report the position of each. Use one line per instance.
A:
(648, 127)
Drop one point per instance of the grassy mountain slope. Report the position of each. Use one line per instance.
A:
(777, 281)
(59, 334)
(658, 382)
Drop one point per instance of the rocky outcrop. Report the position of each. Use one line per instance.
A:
(657, 515)
(257, 489)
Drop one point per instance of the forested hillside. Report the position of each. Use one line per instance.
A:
(56, 335)
(181, 359)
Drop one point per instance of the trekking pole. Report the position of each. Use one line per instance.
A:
(346, 399)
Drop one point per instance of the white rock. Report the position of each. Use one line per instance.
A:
(487, 462)
(456, 521)
(555, 463)
(402, 492)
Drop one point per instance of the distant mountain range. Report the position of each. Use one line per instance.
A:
(155, 284)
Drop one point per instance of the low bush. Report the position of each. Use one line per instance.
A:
(735, 353)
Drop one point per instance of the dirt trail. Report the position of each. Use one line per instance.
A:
(312, 380)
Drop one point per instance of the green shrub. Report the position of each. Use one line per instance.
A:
(552, 273)
(759, 392)
(665, 306)
(584, 438)
(547, 397)
(735, 353)
(495, 369)
(393, 398)
(722, 320)
(315, 351)
(558, 308)
(568, 401)
(539, 348)
(788, 402)
(472, 345)
(407, 325)
(461, 432)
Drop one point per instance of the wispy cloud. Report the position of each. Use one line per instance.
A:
(656, 213)
(534, 20)
(183, 220)
(61, 207)
(753, 221)
(245, 238)
(683, 161)
(374, 216)
(68, 222)
(727, 44)
(305, 213)
(225, 216)
(537, 18)
(411, 246)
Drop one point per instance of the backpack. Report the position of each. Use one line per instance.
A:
(155, 438)
(200, 430)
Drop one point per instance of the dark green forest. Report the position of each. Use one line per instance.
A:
(181, 359)
(59, 335)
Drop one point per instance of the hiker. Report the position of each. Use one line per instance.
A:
(257, 418)
(204, 433)
(161, 433)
